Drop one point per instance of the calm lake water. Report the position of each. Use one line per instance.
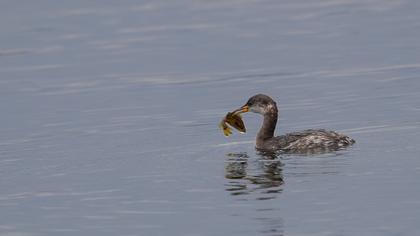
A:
(109, 114)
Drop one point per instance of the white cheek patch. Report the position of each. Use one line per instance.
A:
(257, 109)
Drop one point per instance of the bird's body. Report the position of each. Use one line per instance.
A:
(306, 141)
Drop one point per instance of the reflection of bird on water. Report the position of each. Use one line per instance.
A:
(261, 180)
(307, 141)
(270, 179)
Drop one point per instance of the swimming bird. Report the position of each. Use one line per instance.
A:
(306, 141)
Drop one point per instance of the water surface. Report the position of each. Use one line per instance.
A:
(110, 112)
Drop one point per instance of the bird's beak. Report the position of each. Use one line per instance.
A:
(243, 109)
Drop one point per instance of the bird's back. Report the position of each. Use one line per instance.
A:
(308, 141)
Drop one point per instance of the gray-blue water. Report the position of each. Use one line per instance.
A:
(109, 114)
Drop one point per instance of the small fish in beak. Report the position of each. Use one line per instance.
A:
(233, 119)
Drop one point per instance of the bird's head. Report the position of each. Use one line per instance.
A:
(259, 103)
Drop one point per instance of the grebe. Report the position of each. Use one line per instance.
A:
(306, 141)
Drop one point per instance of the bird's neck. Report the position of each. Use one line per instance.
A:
(269, 125)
